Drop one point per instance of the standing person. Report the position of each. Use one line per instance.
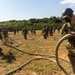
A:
(51, 30)
(25, 32)
(1, 40)
(45, 32)
(15, 30)
(33, 31)
(1, 34)
(5, 35)
(69, 18)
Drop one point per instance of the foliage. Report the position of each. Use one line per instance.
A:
(33, 22)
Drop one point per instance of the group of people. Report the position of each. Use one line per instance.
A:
(67, 28)
(49, 31)
(25, 32)
(46, 31)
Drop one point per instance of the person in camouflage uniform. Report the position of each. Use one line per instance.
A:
(33, 31)
(51, 30)
(65, 29)
(5, 35)
(1, 34)
(15, 30)
(45, 32)
(1, 38)
(68, 27)
(25, 32)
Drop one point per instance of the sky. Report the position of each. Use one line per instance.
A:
(27, 9)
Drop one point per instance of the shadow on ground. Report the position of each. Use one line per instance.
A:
(9, 57)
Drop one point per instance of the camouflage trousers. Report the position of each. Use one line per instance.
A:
(70, 48)
(71, 55)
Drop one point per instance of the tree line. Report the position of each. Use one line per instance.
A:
(33, 22)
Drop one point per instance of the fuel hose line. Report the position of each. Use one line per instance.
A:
(57, 49)
(37, 54)
(20, 67)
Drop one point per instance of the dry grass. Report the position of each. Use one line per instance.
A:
(34, 44)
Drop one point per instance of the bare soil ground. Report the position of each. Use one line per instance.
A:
(11, 58)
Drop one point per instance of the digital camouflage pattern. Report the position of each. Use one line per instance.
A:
(67, 28)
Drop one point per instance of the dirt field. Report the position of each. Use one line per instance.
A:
(12, 58)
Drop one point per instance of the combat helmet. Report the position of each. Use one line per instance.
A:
(66, 12)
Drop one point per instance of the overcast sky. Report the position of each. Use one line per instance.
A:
(26, 9)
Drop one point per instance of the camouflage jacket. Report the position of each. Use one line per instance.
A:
(67, 28)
